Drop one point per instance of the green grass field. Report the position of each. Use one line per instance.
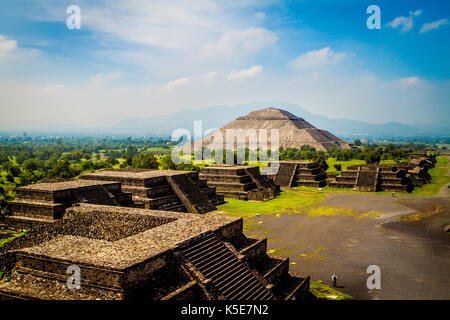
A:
(288, 202)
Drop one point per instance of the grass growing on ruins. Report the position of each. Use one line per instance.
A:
(6, 240)
(322, 291)
(289, 202)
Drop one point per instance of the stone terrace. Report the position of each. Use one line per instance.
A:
(374, 178)
(299, 173)
(44, 202)
(167, 190)
(151, 255)
(241, 182)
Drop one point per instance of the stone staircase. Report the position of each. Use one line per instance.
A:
(232, 278)
(96, 195)
(190, 194)
(157, 194)
(240, 182)
(299, 173)
(285, 175)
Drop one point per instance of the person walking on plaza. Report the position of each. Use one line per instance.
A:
(334, 279)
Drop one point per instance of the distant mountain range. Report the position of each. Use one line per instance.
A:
(216, 116)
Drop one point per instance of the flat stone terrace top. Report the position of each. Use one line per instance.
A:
(134, 173)
(229, 166)
(129, 251)
(64, 185)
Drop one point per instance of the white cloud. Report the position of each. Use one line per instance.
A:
(260, 15)
(209, 75)
(246, 73)
(7, 45)
(433, 25)
(410, 81)
(176, 83)
(405, 23)
(103, 79)
(317, 58)
(240, 42)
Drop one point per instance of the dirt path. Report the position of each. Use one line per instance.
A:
(413, 254)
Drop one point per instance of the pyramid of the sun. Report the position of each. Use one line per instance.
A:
(293, 132)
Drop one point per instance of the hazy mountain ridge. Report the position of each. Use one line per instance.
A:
(215, 117)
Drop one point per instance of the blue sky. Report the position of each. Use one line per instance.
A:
(142, 58)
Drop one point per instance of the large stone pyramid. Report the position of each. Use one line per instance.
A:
(294, 132)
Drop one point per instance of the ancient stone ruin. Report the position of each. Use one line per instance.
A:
(44, 202)
(418, 168)
(374, 177)
(168, 190)
(299, 173)
(240, 182)
(294, 132)
(131, 253)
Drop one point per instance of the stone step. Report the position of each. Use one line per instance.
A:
(316, 184)
(151, 192)
(221, 187)
(189, 194)
(25, 222)
(225, 178)
(308, 177)
(232, 278)
(95, 196)
(25, 207)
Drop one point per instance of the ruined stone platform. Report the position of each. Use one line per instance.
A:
(167, 190)
(44, 202)
(299, 173)
(374, 178)
(241, 182)
(131, 253)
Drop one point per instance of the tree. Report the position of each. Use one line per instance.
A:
(113, 161)
(132, 151)
(357, 142)
(338, 166)
(61, 170)
(321, 161)
(167, 163)
(26, 177)
(32, 164)
(372, 157)
(15, 170)
(145, 161)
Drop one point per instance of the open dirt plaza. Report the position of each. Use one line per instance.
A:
(344, 233)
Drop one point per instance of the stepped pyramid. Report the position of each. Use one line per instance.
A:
(128, 253)
(294, 132)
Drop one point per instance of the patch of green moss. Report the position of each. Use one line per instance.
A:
(5, 241)
(322, 291)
